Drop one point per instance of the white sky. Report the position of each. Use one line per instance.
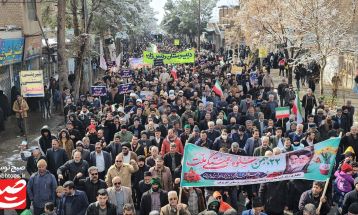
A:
(158, 6)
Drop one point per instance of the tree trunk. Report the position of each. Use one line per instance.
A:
(323, 66)
(61, 46)
(75, 22)
(79, 67)
(290, 70)
(83, 42)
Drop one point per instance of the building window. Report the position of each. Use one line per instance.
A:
(31, 10)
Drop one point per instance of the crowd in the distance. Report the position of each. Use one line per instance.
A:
(121, 154)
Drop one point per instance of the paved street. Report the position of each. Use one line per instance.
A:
(9, 151)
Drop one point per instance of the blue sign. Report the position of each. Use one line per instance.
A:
(125, 88)
(11, 51)
(126, 74)
(98, 90)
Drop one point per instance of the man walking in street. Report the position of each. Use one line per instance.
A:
(101, 206)
(41, 188)
(20, 107)
(73, 202)
(119, 195)
(92, 184)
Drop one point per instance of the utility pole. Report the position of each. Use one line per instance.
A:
(61, 46)
(199, 28)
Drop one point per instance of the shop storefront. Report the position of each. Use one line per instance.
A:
(11, 51)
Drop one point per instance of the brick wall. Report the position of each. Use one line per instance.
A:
(14, 13)
(11, 13)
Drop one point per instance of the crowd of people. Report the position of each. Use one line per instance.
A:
(121, 154)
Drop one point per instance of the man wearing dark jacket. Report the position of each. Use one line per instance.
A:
(75, 134)
(31, 165)
(222, 142)
(143, 186)
(314, 196)
(113, 95)
(85, 153)
(75, 168)
(350, 197)
(101, 204)
(281, 90)
(45, 141)
(172, 159)
(101, 159)
(73, 202)
(147, 203)
(4, 104)
(115, 147)
(274, 197)
(341, 120)
(92, 184)
(295, 190)
(139, 176)
(55, 157)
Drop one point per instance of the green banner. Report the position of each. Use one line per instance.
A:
(203, 167)
(174, 58)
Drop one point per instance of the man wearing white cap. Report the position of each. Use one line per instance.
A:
(173, 207)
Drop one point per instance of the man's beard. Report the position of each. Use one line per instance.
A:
(155, 189)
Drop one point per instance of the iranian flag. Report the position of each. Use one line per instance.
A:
(174, 73)
(217, 89)
(297, 109)
(282, 112)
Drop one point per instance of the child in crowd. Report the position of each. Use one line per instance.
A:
(343, 183)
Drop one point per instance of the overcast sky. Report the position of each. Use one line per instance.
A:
(158, 6)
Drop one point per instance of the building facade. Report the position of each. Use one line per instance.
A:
(20, 41)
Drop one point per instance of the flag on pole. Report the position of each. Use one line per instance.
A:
(217, 89)
(282, 112)
(118, 60)
(297, 109)
(102, 61)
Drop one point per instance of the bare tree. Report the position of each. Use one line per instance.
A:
(306, 30)
(61, 45)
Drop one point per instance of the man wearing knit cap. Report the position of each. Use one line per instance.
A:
(144, 186)
(139, 175)
(153, 199)
(124, 134)
(127, 154)
(350, 198)
(174, 208)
